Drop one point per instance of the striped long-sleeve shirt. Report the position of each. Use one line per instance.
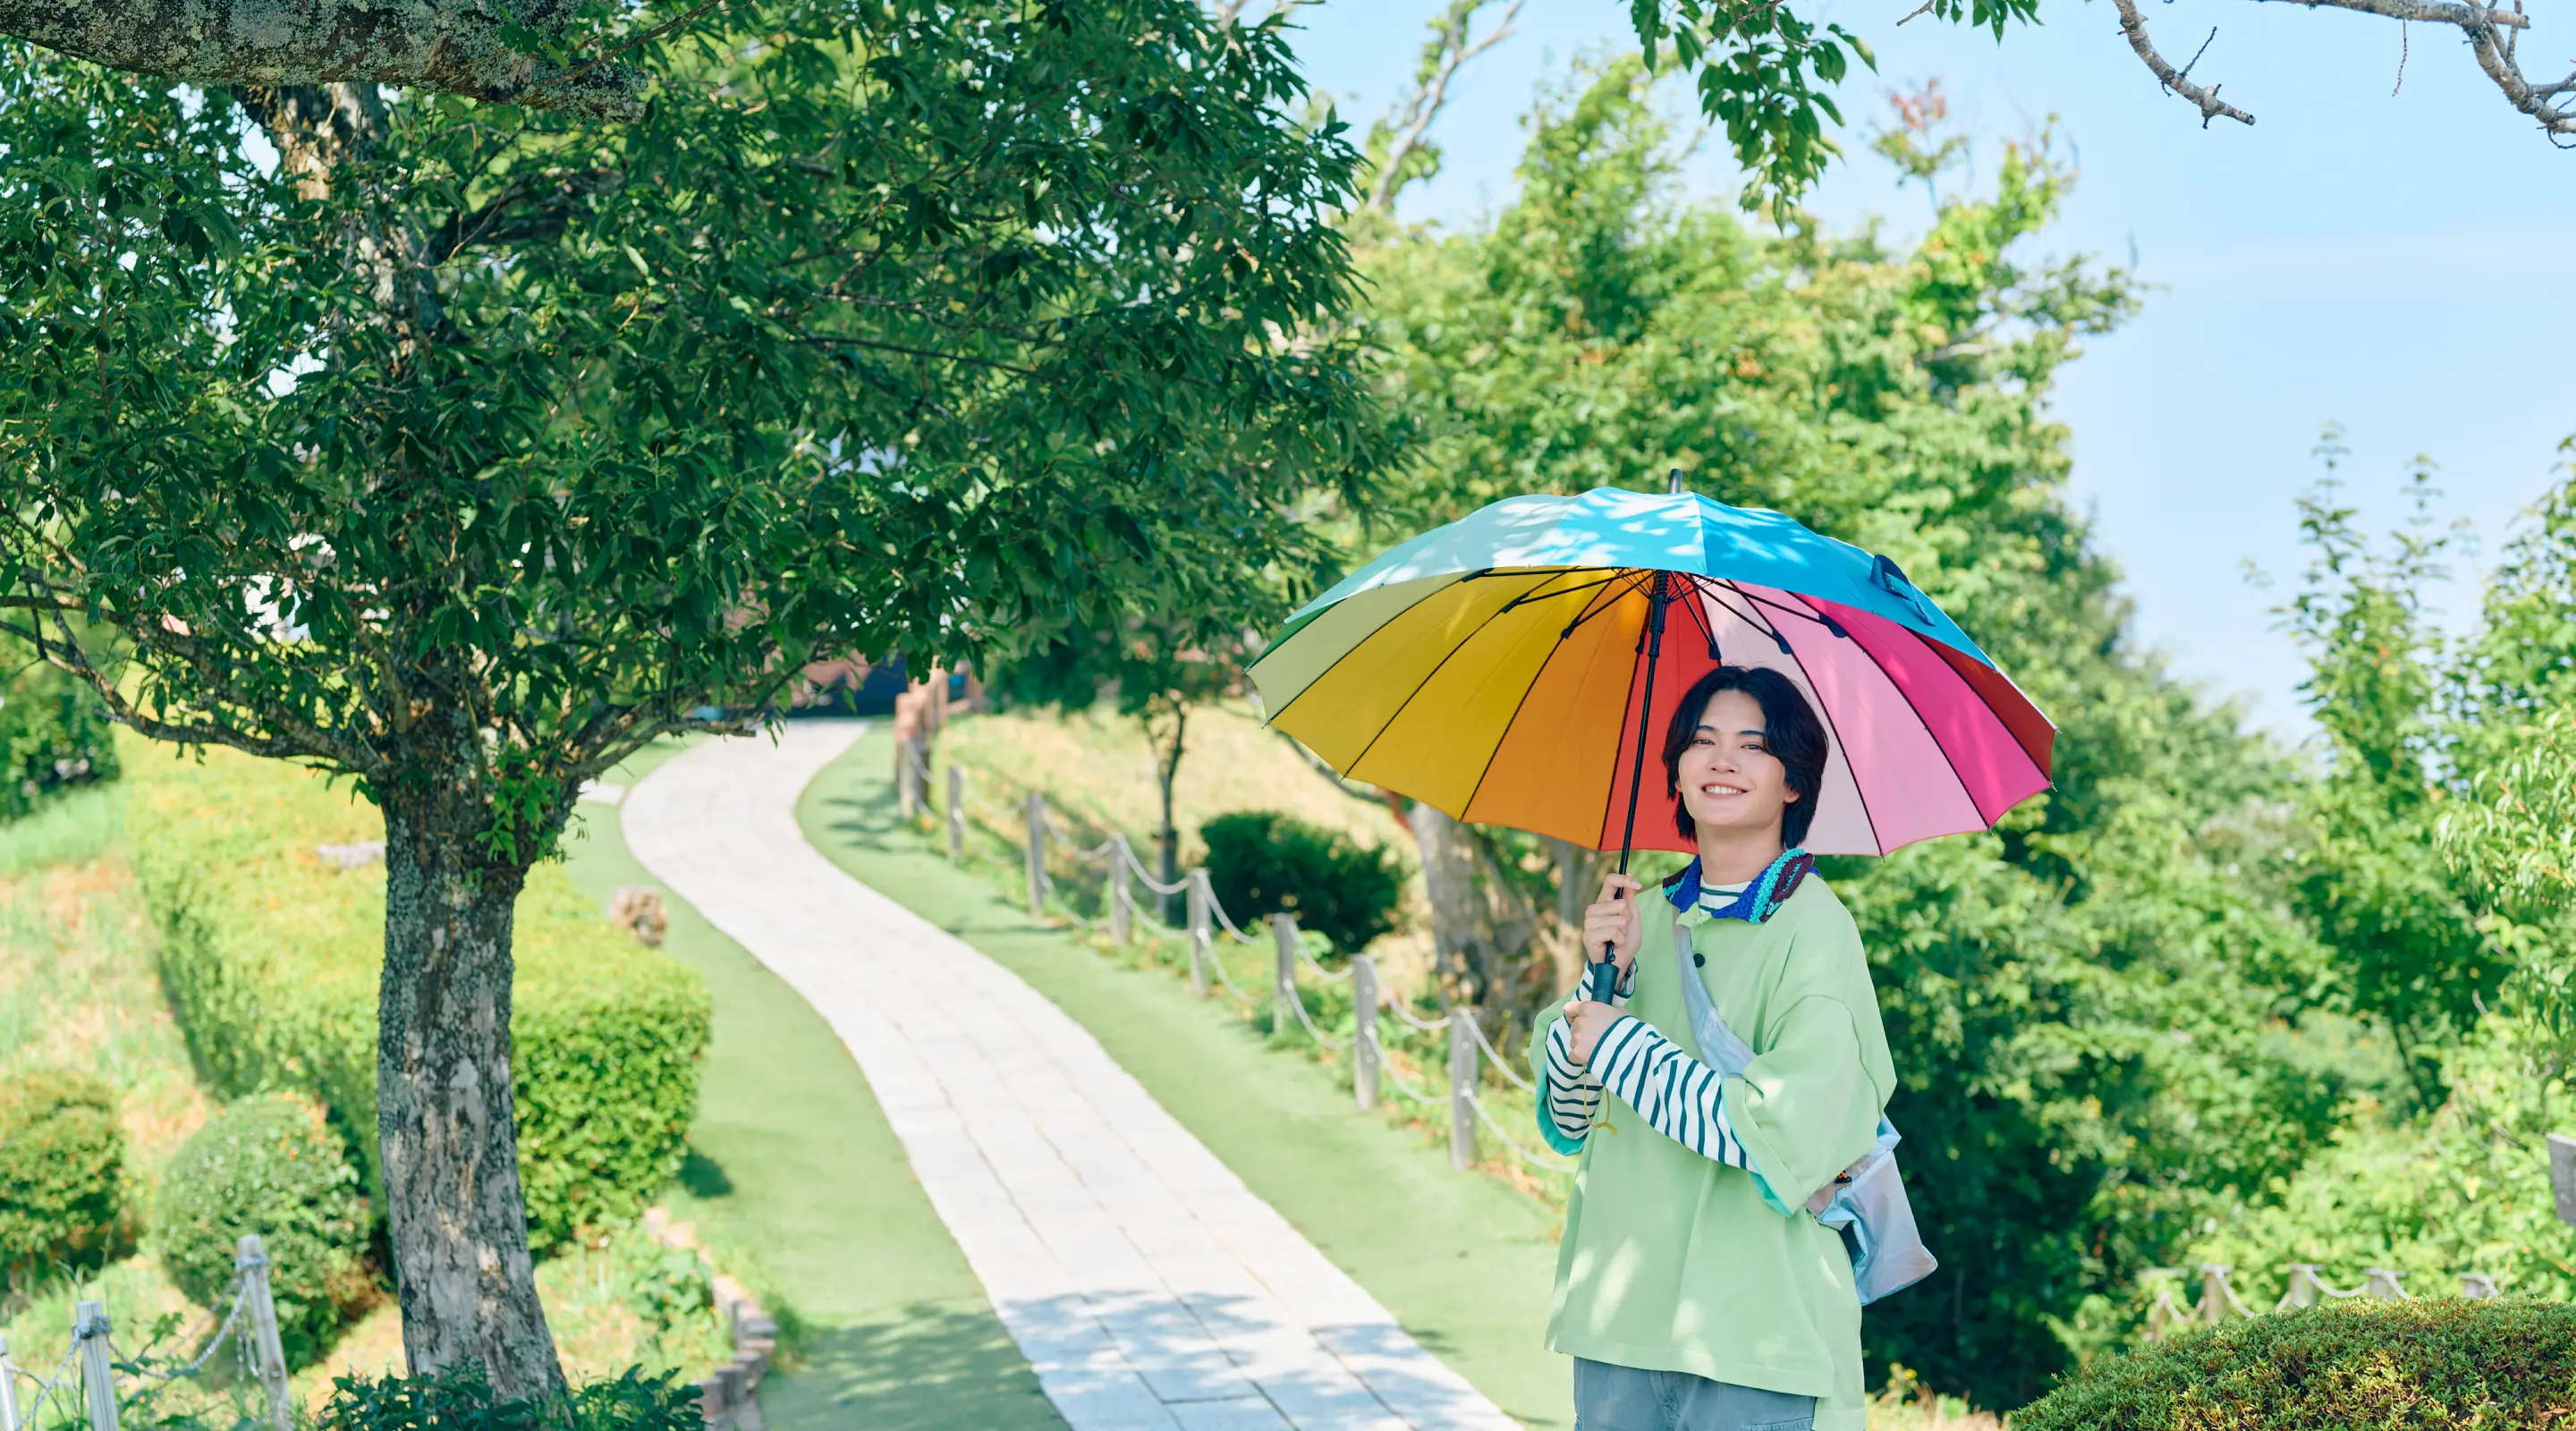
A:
(1676, 1094)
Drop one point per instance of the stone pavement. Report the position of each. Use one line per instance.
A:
(1143, 1281)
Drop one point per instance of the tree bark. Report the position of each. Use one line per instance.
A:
(445, 1117)
(451, 46)
(1168, 773)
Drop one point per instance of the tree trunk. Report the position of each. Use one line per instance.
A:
(445, 1116)
(1168, 773)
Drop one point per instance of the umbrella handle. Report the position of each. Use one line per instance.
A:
(1601, 981)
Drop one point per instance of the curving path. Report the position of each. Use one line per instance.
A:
(1146, 1285)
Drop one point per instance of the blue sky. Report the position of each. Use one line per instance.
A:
(2400, 264)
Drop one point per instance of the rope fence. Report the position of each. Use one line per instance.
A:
(93, 1349)
(1048, 846)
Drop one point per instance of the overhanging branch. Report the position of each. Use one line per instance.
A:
(450, 46)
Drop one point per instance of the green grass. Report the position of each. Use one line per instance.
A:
(68, 829)
(795, 1181)
(1464, 1262)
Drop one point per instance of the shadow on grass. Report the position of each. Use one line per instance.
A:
(929, 1368)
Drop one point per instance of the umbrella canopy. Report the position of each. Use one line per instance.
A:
(1498, 668)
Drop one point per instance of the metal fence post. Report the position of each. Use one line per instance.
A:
(956, 813)
(1462, 1090)
(2303, 1290)
(2213, 1292)
(2562, 1175)
(1200, 898)
(2381, 1282)
(1122, 897)
(1364, 1049)
(1283, 982)
(1036, 854)
(8, 1389)
(268, 1355)
(89, 1329)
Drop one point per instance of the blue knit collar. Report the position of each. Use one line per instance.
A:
(1760, 900)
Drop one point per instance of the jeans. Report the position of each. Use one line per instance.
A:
(1622, 1398)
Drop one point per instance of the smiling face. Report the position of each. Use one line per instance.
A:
(1731, 783)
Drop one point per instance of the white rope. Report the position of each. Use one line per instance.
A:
(230, 1319)
(1389, 1071)
(1066, 835)
(46, 1387)
(1146, 877)
(1299, 1004)
(1227, 979)
(1221, 918)
(1426, 1025)
(1496, 1061)
(1317, 965)
(1535, 1160)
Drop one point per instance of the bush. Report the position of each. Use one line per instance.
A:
(271, 962)
(54, 734)
(2422, 1365)
(1262, 862)
(269, 1164)
(64, 1197)
(460, 1400)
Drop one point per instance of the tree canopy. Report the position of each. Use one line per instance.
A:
(461, 450)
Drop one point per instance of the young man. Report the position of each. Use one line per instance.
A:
(1694, 1289)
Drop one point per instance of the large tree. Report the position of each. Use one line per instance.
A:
(462, 449)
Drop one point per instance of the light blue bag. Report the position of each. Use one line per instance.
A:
(1867, 1204)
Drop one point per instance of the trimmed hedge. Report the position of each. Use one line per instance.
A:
(2426, 1365)
(268, 1164)
(1263, 862)
(64, 1195)
(271, 961)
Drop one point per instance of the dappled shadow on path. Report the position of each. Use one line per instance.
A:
(930, 1367)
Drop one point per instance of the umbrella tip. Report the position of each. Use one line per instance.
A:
(1676, 483)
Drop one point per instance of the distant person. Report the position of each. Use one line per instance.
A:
(1695, 1289)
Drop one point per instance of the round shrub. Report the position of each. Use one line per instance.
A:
(64, 1197)
(1263, 862)
(269, 1164)
(2425, 1365)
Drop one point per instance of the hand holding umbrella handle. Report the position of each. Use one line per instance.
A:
(1601, 980)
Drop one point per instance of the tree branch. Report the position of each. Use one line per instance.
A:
(451, 46)
(520, 213)
(1449, 51)
(2205, 97)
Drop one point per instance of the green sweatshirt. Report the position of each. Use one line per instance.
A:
(1673, 1261)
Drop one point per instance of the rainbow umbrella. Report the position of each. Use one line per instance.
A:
(1505, 668)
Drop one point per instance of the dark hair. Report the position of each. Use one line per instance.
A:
(1789, 728)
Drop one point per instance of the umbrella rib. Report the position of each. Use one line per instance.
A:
(1533, 597)
(1751, 617)
(1928, 733)
(1319, 676)
(1496, 752)
(1436, 667)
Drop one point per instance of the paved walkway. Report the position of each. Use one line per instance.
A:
(1143, 1281)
